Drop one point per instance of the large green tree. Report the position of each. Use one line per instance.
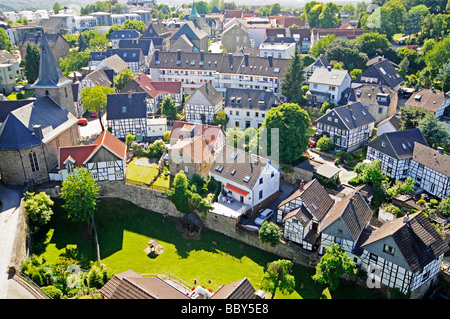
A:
(80, 191)
(38, 209)
(5, 42)
(333, 265)
(433, 130)
(168, 108)
(179, 194)
(74, 61)
(411, 116)
(123, 78)
(292, 123)
(372, 43)
(278, 277)
(32, 62)
(269, 233)
(292, 82)
(95, 99)
(346, 52)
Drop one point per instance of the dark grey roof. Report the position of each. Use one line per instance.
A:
(394, 120)
(222, 63)
(50, 74)
(250, 99)
(398, 144)
(321, 62)
(373, 94)
(348, 117)
(210, 93)
(128, 55)
(17, 131)
(279, 40)
(385, 72)
(191, 32)
(37, 37)
(8, 106)
(143, 44)
(155, 30)
(124, 34)
(134, 103)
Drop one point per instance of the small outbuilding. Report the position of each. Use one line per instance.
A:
(192, 223)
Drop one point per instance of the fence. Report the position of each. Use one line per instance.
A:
(158, 188)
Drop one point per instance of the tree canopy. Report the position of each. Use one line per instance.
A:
(278, 277)
(95, 99)
(292, 82)
(32, 62)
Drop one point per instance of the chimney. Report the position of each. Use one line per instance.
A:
(230, 59)
(129, 94)
(37, 130)
(302, 184)
(380, 58)
(157, 56)
(440, 150)
(406, 219)
(349, 106)
(202, 57)
(246, 59)
(270, 61)
(178, 56)
(329, 68)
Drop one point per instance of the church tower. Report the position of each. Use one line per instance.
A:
(51, 82)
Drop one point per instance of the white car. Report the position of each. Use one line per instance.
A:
(265, 215)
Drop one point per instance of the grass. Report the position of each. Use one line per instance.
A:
(141, 173)
(124, 230)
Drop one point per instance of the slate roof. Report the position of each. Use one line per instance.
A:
(210, 93)
(418, 241)
(320, 62)
(155, 30)
(371, 94)
(135, 103)
(190, 31)
(99, 77)
(124, 34)
(17, 131)
(127, 55)
(222, 63)
(349, 116)
(6, 57)
(398, 144)
(431, 158)
(353, 212)
(430, 100)
(116, 63)
(240, 289)
(394, 120)
(250, 99)
(385, 72)
(10, 105)
(143, 44)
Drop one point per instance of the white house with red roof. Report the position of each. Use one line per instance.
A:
(105, 159)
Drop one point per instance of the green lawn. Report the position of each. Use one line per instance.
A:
(141, 173)
(124, 230)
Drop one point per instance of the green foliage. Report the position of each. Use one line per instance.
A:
(324, 144)
(278, 277)
(444, 206)
(123, 78)
(168, 108)
(53, 292)
(95, 277)
(411, 116)
(319, 15)
(220, 118)
(38, 208)
(320, 45)
(433, 203)
(95, 99)
(179, 193)
(269, 233)
(157, 148)
(32, 62)
(166, 136)
(79, 192)
(130, 138)
(292, 123)
(355, 73)
(56, 8)
(333, 265)
(5, 42)
(406, 187)
(433, 130)
(292, 82)
(199, 205)
(347, 52)
(74, 61)
(370, 173)
(421, 202)
(134, 25)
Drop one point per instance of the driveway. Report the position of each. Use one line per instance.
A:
(11, 196)
(344, 175)
(93, 127)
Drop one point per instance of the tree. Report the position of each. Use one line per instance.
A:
(278, 277)
(32, 62)
(319, 15)
(291, 85)
(372, 43)
(168, 108)
(269, 233)
(444, 77)
(220, 118)
(95, 99)
(179, 194)
(292, 123)
(134, 25)
(333, 265)
(324, 144)
(198, 204)
(392, 17)
(415, 18)
(74, 61)
(433, 130)
(406, 187)
(355, 73)
(56, 8)
(347, 52)
(444, 206)
(438, 56)
(38, 208)
(411, 116)
(320, 45)
(370, 173)
(79, 192)
(5, 42)
(123, 78)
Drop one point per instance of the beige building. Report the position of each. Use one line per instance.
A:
(234, 38)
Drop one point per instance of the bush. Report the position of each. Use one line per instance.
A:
(433, 202)
(324, 144)
(421, 202)
(53, 292)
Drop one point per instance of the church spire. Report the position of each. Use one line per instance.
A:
(194, 13)
(50, 75)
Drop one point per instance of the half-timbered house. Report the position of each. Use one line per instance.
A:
(404, 253)
(203, 104)
(430, 169)
(349, 127)
(105, 159)
(394, 150)
(304, 212)
(126, 113)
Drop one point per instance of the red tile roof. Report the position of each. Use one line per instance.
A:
(78, 153)
(209, 132)
(157, 87)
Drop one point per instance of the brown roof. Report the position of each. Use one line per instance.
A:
(394, 120)
(196, 149)
(241, 289)
(209, 132)
(431, 158)
(418, 241)
(130, 285)
(430, 100)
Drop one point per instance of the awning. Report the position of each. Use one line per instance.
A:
(237, 190)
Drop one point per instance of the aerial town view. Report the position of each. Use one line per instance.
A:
(223, 150)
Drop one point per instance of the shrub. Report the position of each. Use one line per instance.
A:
(324, 144)
(421, 202)
(433, 202)
(53, 292)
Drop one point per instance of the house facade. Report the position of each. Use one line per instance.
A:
(390, 124)
(105, 159)
(9, 72)
(327, 85)
(381, 72)
(118, 35)
(234, 38)
(203, 104)
(349, 126)
(431, 100)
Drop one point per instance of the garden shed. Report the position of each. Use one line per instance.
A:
(192, 223)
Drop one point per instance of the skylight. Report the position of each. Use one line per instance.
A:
(246, 178)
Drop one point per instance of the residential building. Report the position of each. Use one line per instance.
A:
(327, 85)
(203, 104)
(16, 34)
(349, 126)
(302, 37)
(133, 57)
(347, 224)
(193, 69)
(105, 159)
(83, 23)
(118, 35)
(126, 113)
(383, 73)
(9, 72)
(430, 169)
(317, 34)
(248, 107)
(391, 124)
(159, 34)
(189, 38)
(380, 100)
(156, 127)
(321, 62)
(56, 25)
(146, 46)
(303, 213)
(256, 28)
(288, 21)
(234, 38)
(248, 179)
(277, 48)
(231, 14)
(404, 253)
(58, 45)
(113, 62)
(394, 150)
(431, 100)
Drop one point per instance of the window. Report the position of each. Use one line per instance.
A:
(432, 187)
(272, 174)
(260, 194)
(388, 249)
(373, 257)
(33, 161)
(260, 181)
(124, 109)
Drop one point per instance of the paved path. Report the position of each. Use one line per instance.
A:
(11, 196)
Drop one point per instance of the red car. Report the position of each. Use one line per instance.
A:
(312, 143)
(94, 114)
(82, 121)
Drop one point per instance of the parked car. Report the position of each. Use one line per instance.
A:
(312, 142)
(82, 121)
(94, 114)
(265, 215)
